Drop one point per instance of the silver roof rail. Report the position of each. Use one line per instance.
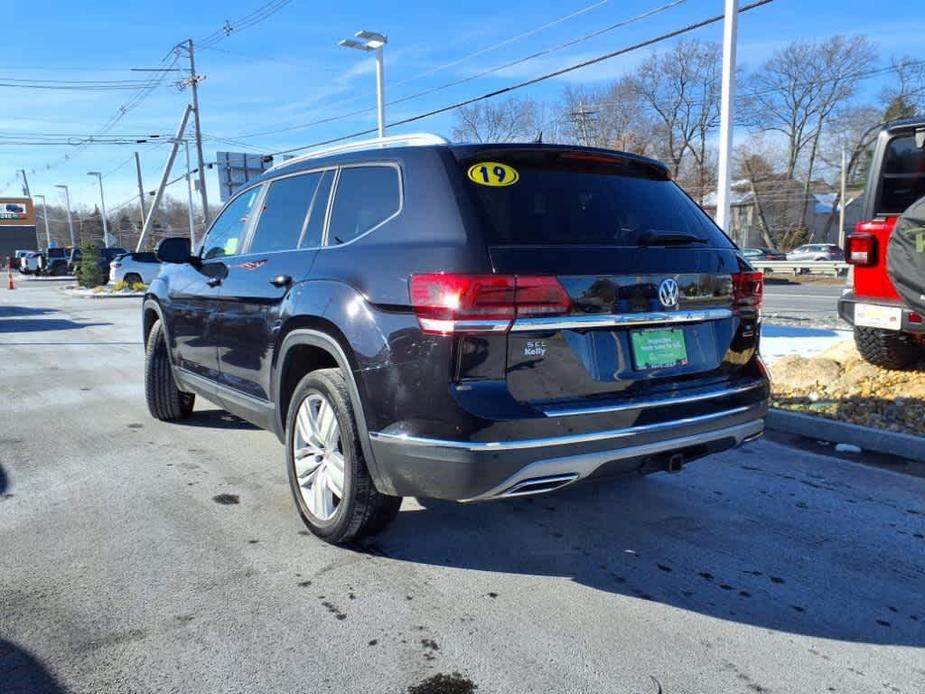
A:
(414, 140)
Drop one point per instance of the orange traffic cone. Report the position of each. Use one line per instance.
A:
(9, 277)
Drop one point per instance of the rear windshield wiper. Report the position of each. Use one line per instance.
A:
(654, 237)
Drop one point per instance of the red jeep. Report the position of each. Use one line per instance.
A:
(887, 331)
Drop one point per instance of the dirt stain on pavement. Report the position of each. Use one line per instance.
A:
(226, 499)
(441, 683)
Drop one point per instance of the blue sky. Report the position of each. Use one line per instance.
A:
(288, 69)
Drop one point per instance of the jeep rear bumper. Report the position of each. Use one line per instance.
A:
(911, 322)
(476, 471)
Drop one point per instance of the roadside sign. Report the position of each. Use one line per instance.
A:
(237, 168)
(16, 212)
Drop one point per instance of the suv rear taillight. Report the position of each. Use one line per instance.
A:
(861, 249)
(446, 304)
(748, 290)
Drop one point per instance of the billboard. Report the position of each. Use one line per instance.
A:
(16, 212)
(237, 168)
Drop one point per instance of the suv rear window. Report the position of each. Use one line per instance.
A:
(588, 203)
(903, 178)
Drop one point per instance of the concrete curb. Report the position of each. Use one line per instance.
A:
(83, 294)
(876, 440)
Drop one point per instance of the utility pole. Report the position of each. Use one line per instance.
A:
(194, 80)
(141, 188)
(162, 186)
(582, 119)
(189, 193)
(727, 105)
(25, 183)
(70, 222)
(844, 186)
(45, 216)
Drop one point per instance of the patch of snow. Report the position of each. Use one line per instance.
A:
(781, 341)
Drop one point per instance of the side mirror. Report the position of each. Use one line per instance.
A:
(174, 250)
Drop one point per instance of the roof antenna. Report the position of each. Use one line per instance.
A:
(539, 138)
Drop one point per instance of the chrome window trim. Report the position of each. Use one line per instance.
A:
(611, 320)
(640, 404)
(333, 199)
(591, 437)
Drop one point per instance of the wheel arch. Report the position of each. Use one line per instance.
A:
(311, 343)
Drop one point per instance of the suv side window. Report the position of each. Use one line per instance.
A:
(366, 196)
(284, 213)
(227, 233)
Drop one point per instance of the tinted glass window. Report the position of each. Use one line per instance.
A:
(285, 211)
(903, 179)
(225, 236)
(315, 227)
(366, 196)
(552, 203)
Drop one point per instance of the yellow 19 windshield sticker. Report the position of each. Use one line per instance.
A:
(491, 173)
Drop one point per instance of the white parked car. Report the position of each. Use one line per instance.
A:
(134, 268)
(31, 262)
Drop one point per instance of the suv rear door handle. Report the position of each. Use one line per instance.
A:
(214, 281)
(281, 281)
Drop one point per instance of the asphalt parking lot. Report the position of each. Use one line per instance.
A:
(140, 556)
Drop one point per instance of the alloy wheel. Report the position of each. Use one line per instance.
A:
(318, 456)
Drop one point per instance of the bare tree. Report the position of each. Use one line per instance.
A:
(680, 89)
(904, 96)
(610, 117)
(509, 120)
(799, 89)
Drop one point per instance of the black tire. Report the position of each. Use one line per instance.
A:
(363, 510)
(166, 402)
(132, 278)
(887, 348)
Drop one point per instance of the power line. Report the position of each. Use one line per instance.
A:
(542, 78)
(238, 25)
(505, 42)
(483, 73)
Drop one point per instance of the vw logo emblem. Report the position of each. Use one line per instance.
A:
(669, 293)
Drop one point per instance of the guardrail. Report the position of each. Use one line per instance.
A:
(833, 268)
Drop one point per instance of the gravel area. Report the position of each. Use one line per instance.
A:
(839, 385)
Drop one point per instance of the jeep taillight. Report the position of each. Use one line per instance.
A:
(446, 303)
(861, 249)
(748, 290)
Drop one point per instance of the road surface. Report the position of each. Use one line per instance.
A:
(813, 303)
(141, 556)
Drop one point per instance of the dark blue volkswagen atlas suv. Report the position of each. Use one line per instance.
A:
(416, 318)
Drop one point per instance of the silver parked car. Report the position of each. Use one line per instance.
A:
(817, 251)
(134, 268)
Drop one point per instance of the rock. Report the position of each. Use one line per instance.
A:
(843, 352)
(799, 372)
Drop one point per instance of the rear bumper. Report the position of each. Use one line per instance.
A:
(476, 471)
(848, 302)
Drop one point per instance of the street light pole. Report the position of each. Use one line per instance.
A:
(45, 216)
(373, 42)
(189, 193)
(70, 221)
(107, 241)
(727, 104)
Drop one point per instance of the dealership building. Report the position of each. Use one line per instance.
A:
(17, 227)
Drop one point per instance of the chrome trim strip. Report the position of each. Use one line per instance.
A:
(437, 325)
(584, 464)
(639, 403)
(491, 446)
(221, 390)
(618, 320)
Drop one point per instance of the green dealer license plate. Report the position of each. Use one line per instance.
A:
(658, 349)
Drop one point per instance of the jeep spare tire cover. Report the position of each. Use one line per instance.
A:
(906, 256)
